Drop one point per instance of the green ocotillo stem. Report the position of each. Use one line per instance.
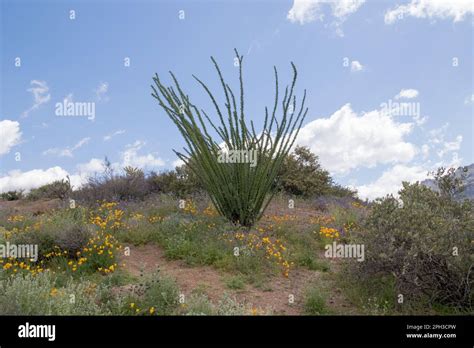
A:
(239, 191)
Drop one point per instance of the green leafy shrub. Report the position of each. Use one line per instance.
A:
(38, 295)
(12, 195)
(60, 232)
(133, 184)
(154, 295)
(199, 304)
(424, 240)
(193, 242)
(236, 282)
(315, 302)
(57, 189)
(181, 181)
(141, 234)
(302, 175)
(161, 293)
(165, 182)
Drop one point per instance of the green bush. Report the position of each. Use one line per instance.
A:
(199, 304)
(62, 230)
(236, 282)
(315, 302)
(130, 184)
(12, 195)
(424, 240)
(57, 189)
(181, 182)
(153, 295)
(161, 293)
(38, 295)
(302, 175)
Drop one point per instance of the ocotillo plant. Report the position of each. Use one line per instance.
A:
(239, 191)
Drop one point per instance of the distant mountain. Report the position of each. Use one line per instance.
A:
(468, 181)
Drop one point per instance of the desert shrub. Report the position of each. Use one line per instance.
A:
(193, 242)
(199, 304)
(181, 181)
(60, 232)
(165, 182)
(374, 295)
(450, 182)
(162, 294)
(198, 243)
(315, 301)
(72, 238)
(16, 222)
(346, 220)
(154, 295)
(301, 174)
(66, 241)
(228, 305)
(159, 205)
(38, 295)
(57, 189)
(130, 184)
(340, 191)
(12, 195)
(189, 181)
(236, 282)
(117, 188)
(303, 247)
(308, 259)
(424, 241)
(140, 234)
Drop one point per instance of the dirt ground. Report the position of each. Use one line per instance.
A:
(276, 297)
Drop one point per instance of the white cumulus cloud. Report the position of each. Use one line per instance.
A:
(130, 157)
(306, 11)
(177, 163)
(356, 66)
(10, 135)
(19, 180)
(390, 182)
(456, 10)
(407, 94)
(346, 140)
(94, 166)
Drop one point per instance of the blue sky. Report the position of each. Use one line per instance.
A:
(352, 56)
